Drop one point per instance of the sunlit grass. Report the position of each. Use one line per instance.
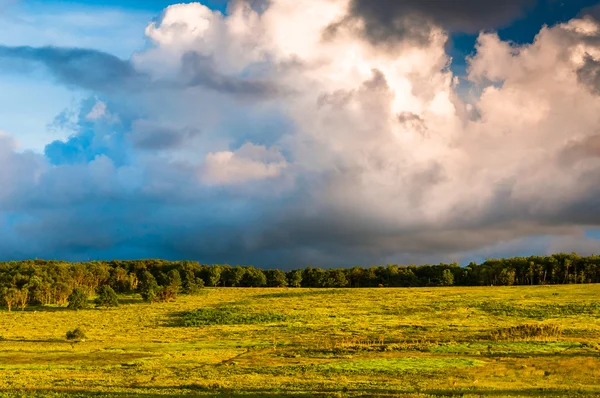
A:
(308, 342)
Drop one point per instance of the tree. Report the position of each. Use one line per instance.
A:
(276, 278)
(254, 277)
(23, 297)
(41, 290)
(107, 297)
(10, 295)
(313, 277)
(149, 289)
(294, 278)
(61, 291)
(233, 276)
(77, 299)
(174, 281)
(506, 277)
(447, 278)
(192, 284)
(214, 275)
(119, 280)
(336, 278)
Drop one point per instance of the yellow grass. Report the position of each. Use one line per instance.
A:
(348, 342)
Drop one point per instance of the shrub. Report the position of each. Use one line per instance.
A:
(77, 300)
(107, 297)
(527, 332)
(76, 334)
(166, 294)
(226, 316)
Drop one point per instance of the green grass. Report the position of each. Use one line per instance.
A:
(417, 342)
(225, 316)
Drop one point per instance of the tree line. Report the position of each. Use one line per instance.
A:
(43, 282)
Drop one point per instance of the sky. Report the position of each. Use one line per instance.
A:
(288, 133)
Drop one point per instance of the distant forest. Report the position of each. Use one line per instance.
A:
(42, 282)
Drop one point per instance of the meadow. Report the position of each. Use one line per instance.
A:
(271, 342)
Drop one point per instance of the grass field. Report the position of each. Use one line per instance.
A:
(488, 341)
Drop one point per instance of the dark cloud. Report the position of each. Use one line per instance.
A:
(84, 68)
(580, 150)
(593, 12)
(150, 136)
(589, 74)
(102, 72)
(126, 185)
(413, 121)
(200, 70)
(386, 20)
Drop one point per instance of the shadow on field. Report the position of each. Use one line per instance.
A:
(256, 393)
(42, 308)
(292, 294)
(53, 341)
(130, 300)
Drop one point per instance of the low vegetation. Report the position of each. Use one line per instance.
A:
(76, 334)
(524, 341)
(226, 316)
(527, 332)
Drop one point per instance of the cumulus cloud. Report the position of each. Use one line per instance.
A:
(257, 136)
(250, 162)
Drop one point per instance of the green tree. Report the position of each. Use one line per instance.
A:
(149, 289)
(10, 296)
(506, 277)
(214, 275)
(107, 297)
(254, 277)
(447, 278)
(276, 278)
(23, 297)
(174, 281)
(294, 278)
(336, 278)
(191, 283)
(233, 276)
(78, 299)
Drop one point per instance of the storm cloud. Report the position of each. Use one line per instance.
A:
(85, 68)
(247, 138)
(386, 20)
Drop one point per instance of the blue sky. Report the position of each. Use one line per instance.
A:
(206, 146)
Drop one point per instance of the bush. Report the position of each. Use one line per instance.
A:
(227, 316)
(76, 334)
(527, 332)
(107, 297)
(166, 294)
(77, 300)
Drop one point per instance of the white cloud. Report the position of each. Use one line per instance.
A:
(98, 111)
(249, 163)
(371, 150)
(436, 170)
